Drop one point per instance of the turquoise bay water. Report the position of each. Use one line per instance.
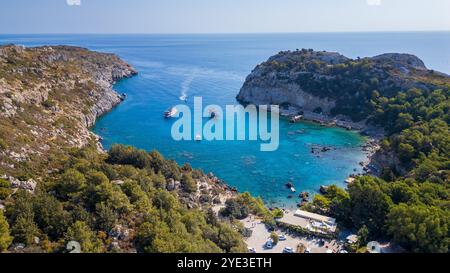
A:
(214, 67)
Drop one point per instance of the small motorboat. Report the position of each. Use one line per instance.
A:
(212, 114)
(123, 96)
(198, 137)
(170, 113)
(291, 187)
(184, 98)
(296, 119)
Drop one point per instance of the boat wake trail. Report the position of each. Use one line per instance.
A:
(185, 87)
(192, 73)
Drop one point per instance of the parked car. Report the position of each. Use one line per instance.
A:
(252, 250)
(308, 250)
(321, 242)
(282, 238)
(288, 250)
(269, 244)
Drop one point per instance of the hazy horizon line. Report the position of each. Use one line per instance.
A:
(221, 33)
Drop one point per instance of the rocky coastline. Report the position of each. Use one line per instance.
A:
(373, 135)
(51, 96)
(320, 87)
(94, 73)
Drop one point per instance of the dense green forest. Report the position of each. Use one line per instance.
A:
(119, 202)
(53, 192)
(410, 203)
(126, 200)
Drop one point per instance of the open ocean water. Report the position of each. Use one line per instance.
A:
(214, 67)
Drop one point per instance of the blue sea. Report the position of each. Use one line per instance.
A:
(214, 67)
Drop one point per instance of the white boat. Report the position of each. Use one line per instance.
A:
(198, 137)
(212, 114)
(290, 186)
(296, 119)
(171, 112)
(183, 98)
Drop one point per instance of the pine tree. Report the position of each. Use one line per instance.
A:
(5, 237)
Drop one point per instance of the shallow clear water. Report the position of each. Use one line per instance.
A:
(215, 67)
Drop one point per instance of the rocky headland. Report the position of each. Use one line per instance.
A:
(50, 161)
(334, 90)
(324, 86)
(49, 97)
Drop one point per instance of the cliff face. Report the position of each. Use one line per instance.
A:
(332, 84)
(268, 90)
(273, 82)
(331, 88)
(49, 97)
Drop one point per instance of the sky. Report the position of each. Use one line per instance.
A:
(221, 16)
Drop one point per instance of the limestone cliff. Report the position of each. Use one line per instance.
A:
(331, 88)
(332, 84)
(49, 97)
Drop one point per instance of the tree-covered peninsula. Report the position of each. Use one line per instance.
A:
(408, 201)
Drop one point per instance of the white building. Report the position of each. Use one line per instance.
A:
(310, 221)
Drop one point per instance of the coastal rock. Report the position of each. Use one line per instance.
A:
(404, 62)
(310, 82)
(304, 196)
(334, 90)
(59, 91)
(29, 185)
(323, 189)
(171, 185)
(273, 82)
(114, 246)
(262, 91)
(385, 159)
(119, 232)
(118, 182)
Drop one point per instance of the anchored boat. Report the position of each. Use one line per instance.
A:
(290, 186)
(212, 114)
(171, 112)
